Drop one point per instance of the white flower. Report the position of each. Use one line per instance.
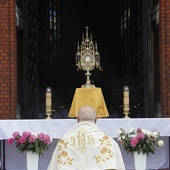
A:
(131, 130)
(120, 132)
(34, 134)
(155, 134)
(119, 139)
(148, 132)
(144, 131)
(123, 137)
(51, 140)
(160, 143)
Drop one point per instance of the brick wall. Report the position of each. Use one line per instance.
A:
(164, 48)
(8, 60)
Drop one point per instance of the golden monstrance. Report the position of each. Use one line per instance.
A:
(87, 57)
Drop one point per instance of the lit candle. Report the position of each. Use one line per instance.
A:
(48, 101)
(126, 95)
(126, 107)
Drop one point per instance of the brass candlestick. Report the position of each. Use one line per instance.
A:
(49, 102)
(126, 107)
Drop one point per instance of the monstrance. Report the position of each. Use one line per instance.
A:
(87, 57)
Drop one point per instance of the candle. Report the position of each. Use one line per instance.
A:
(48, 101)
(126, 95)
(126, 101)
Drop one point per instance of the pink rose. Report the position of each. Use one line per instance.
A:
(134, 141)
(26, 134)
(138, 130)
(45, 138)
(15, 134)
(140, 136)
(32, 138)
(41, 136)
(10, 141)
(22, 140)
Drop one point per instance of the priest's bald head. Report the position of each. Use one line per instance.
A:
(87, 114)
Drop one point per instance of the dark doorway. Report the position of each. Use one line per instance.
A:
(61, 24)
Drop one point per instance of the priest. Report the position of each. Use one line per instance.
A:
(86, 147)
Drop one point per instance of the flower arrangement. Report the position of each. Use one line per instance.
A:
(27, 141)
(140, 140)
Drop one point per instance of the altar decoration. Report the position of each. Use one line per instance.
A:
(30, 142)
(48, 103)
(126, 105)
(140, 142)
(87, 57)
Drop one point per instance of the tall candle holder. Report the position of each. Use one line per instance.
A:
(48, 102)
(126, 105)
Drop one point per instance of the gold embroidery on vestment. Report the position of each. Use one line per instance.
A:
(81, 140)
(90, 140)
(105, 153)
(63, 157)
(73, 141)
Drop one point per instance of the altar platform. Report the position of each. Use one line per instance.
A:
(12, 160)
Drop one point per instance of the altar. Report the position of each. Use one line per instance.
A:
(12, 160)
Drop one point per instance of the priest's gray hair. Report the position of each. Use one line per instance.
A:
(87, 113)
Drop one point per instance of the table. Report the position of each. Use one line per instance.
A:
(91, 97)
(57, 127)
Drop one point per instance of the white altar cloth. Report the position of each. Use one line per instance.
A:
(57, 127)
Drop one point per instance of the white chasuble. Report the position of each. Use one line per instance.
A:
(86, 147)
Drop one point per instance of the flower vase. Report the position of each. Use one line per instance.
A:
(140, 161)
(32, 161)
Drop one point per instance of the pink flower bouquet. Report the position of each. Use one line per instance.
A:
(140, 140)
(27, 141)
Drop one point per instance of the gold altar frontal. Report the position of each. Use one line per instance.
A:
(88, 97)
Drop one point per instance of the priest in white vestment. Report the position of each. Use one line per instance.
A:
(86, 147)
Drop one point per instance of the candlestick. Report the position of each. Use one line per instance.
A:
(126, 108)
(48, 102)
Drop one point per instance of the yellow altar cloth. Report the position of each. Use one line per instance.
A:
(88, 96)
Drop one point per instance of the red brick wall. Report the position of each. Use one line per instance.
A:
(8, 60)
(164, 48)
